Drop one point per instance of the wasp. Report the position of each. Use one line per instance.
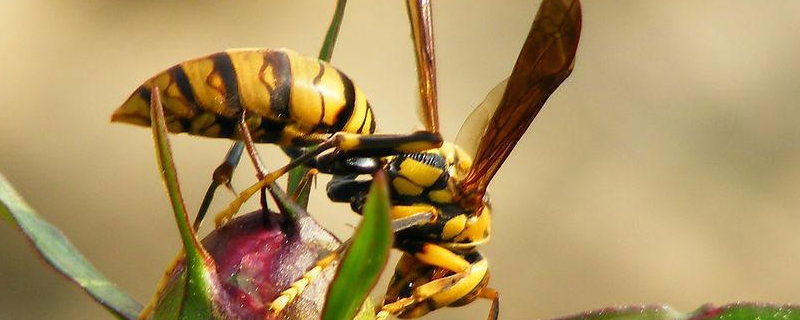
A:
(443, 190)
(439, 188)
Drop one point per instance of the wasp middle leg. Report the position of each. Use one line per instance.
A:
(224, 172)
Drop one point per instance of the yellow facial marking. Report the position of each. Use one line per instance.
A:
(463, 286)
(441, 196)
(405, 187)
(419, 173)
(454, 226)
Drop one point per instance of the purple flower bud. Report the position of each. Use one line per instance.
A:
(257, 256)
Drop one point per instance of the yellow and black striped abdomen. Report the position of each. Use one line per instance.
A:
(289, 99)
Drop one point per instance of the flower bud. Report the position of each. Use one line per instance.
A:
(257, 256)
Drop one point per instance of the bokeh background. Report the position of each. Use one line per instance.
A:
(665, 170)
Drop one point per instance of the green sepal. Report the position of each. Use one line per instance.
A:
(202, 288)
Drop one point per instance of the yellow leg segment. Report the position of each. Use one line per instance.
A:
(466, 283)
(225, 215)
(401, 211)
(296, 288)
(439, 256)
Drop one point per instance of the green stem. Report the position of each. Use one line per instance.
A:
(326, 51)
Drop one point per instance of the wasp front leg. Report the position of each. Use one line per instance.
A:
(362, 145)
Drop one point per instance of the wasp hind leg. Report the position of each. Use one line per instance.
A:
(428, 293)
(494, 295)
(349, 143)
(429, 264)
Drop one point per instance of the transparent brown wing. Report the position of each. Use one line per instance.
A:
(419, 14)
(469, 136)
(546, 59)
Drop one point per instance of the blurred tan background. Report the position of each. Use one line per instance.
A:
(665, 170)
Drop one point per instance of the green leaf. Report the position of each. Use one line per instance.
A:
(57, 251)
(201, 289)
(364, 258)
(737, 311)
